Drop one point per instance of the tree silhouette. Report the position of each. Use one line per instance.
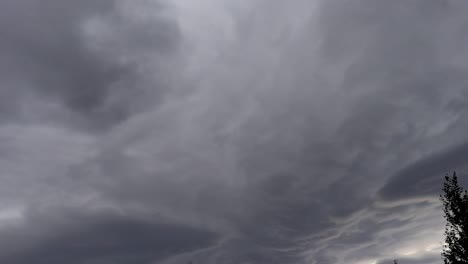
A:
(455, 203)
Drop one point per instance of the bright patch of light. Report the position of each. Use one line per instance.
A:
(433, 248)
(408, 251)
(367, 261)
(11, 214)
(419, 249)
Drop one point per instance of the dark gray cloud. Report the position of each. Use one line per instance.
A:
(47, 52)
(423, 178)
(74, 236)
(229, 131)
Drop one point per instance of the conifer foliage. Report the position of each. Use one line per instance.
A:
(455, 204)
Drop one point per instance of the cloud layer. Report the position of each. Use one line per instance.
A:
(156, 131)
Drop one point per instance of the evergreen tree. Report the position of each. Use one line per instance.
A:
(455, 205)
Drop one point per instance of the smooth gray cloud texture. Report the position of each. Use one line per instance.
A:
(225, 131)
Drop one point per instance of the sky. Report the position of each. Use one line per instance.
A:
(229, 131)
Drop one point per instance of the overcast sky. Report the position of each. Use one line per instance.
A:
(229, 131)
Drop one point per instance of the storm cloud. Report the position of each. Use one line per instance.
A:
(264, 131)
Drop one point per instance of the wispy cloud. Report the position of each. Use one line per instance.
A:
(156, 131)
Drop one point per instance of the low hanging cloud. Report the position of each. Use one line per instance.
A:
(157, 131)
(73, 236)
